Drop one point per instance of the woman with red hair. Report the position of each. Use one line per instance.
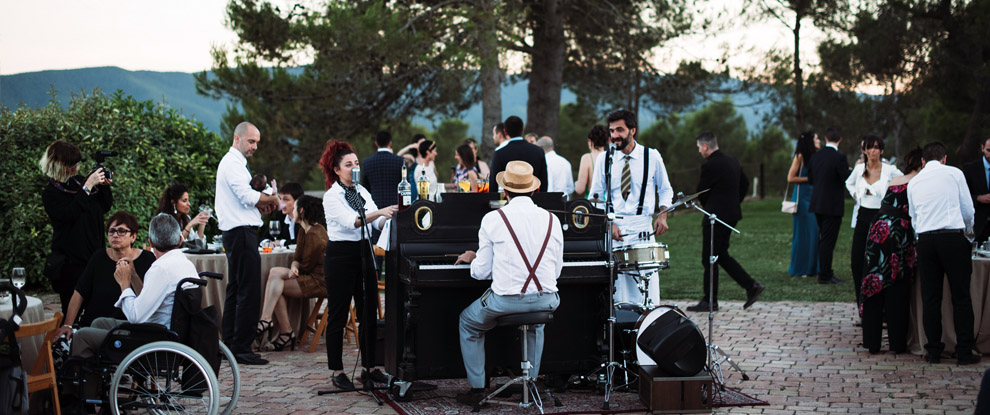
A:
(347, 265)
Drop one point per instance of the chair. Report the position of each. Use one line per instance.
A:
(319, 329)
(523, 321)
(381, 300)
(42, 374)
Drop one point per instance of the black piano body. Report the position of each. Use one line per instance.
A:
(425, 293)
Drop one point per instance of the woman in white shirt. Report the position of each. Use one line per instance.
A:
(347, 266)
(867, 184)
(427, 168)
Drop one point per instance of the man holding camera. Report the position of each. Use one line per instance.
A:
(239, 209)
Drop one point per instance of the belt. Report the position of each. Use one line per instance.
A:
(942, 232)
(245, 227)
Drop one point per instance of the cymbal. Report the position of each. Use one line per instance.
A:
(685, 199)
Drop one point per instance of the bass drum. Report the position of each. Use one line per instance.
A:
(665, 331)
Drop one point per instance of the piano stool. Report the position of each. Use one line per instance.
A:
(523, 321)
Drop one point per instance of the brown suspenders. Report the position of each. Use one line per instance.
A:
(532, 269)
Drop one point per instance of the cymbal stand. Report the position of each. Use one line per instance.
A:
(715, 355)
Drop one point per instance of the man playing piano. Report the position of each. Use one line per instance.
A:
(521, 249)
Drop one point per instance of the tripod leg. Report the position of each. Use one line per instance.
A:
(732, 363)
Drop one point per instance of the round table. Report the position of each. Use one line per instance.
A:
(34, 313)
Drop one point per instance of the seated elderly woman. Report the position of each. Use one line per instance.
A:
(303, 279)
(97, 290)
(175, 202)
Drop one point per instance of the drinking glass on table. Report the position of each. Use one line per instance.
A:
(18, 277)
(273, 229)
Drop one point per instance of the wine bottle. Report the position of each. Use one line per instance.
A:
(405, 191)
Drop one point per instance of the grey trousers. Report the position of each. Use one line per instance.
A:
(479, 317)
(86, 342)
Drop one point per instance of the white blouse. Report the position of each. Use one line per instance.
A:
(870, 195)
(341, 218)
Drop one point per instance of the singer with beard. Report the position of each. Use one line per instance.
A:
(639, 184)
(347, 265)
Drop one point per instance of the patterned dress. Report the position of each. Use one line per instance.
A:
(890, 254)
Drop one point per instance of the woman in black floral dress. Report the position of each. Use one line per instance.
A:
(890, 265)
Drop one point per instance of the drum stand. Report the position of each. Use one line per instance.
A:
(715, 355)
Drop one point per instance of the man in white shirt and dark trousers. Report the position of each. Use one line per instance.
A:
(639, 184)
(942, 215)
(559, 172)
(154, 303)
(239, 209)
(521, 249)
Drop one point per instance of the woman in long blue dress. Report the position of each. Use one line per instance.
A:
(804, 242)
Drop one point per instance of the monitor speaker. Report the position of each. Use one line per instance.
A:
(675, 343)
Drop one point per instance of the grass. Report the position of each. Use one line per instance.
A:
(763, 249)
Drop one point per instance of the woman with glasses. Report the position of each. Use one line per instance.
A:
(97, 291)
(75, 205)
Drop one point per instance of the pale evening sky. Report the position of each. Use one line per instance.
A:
(177, 35)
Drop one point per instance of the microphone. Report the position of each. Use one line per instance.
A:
(356, 175)
(611, 147)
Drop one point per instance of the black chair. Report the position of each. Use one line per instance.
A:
(523, 321)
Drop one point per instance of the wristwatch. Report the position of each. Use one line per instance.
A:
(86, 189)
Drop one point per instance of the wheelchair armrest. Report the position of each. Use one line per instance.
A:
(197, 281)
(214, 275)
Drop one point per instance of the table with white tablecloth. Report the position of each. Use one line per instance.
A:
(34, 313)
(979, 292)
(215, 292)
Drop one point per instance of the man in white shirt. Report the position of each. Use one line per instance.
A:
(633, 199)
(559, 174)
(942, 215)
(239, 209)
(154, 303)
(521, 249)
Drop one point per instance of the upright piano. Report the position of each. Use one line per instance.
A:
(426, 292)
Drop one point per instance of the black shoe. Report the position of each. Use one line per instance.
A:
(753, 294)
(250, 359)
(342, 382)
(375, 376)
(831, 280)
(285, 340)
(471, 397)
(702, 306)
(967, 359)
(933, 359)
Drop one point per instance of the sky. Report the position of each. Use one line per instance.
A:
(178, 35)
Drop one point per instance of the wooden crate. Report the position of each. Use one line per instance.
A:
(665, 394)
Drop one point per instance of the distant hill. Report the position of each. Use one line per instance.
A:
(178, 90)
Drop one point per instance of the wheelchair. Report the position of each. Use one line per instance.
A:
(148, 368)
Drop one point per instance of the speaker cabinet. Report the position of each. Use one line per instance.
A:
(666, 394)
(675, 343)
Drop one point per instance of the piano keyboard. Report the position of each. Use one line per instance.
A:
(567, 264)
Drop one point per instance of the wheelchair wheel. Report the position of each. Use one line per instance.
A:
(229, 381)
(164, 377)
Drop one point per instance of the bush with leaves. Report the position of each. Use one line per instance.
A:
(157, 145)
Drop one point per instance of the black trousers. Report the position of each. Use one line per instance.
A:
(828, 233)
(242, 304)
(66, 284)
(349, 274)
(725, 260)
(857, 258)
(947, 255)
(890, 304)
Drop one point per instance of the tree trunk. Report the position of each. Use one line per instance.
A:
(547, 70)
(798, 74)
(491, 80)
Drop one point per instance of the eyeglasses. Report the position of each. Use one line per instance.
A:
(119, 231)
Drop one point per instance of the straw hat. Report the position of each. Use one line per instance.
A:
(518, 178)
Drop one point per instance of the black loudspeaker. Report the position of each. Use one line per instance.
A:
(675, 343)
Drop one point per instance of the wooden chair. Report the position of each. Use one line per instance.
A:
(381, 299)
(317, 325)
(42, 374)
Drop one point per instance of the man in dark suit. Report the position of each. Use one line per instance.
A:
(828, 173)
(516, 148)
(977, 177)
(381, 174)
(727, 185)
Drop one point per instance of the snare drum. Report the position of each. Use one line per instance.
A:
(645, 256)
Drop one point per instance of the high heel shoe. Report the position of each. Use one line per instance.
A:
(285, 339)
(263, 327)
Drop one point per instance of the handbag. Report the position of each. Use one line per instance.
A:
(788, 206)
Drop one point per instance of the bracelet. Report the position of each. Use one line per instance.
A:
(66, 325)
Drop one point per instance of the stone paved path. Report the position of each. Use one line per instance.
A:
(801, 358)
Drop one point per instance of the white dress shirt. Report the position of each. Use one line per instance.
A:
(341, 218)
(870, 195)
(560, 178)
(939, 199)
(498, 258)
(658, 183)
(235, 199)
(154, 305)
(292, 226)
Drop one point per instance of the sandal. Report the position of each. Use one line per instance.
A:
(263, 327)
(285, 339)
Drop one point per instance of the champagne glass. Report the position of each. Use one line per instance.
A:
(18, 277)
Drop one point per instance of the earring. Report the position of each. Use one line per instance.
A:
(175, 210)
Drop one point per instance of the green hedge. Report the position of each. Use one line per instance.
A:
(157, 145)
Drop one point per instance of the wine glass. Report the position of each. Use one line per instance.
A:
(206, 208)
(273, 229)
(18, 277)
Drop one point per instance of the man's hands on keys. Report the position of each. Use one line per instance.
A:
(465, 258)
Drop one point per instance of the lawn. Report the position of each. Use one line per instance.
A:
(763, 249)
